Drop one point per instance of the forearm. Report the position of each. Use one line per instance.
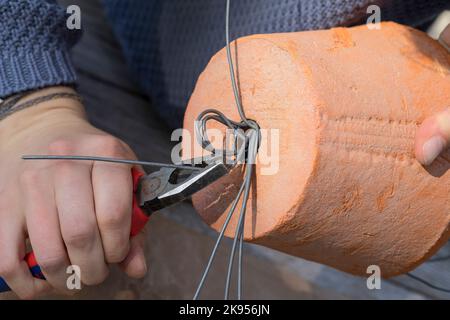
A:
(34, 46)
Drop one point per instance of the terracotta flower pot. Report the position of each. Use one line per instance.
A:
(347, 102)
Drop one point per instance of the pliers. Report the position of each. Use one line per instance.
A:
(156, 191)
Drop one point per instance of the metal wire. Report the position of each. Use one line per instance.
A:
(245, 188)
(253, 144)
(253, 150)
(212, 114)
(251, 140)
(245, 124)
(241, 248)
(219, 239)
(113, 160)
(240, 227)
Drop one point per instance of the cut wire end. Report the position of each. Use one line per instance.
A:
(253, 138)
(112, 160)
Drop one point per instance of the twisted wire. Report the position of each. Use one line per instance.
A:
(248, 132)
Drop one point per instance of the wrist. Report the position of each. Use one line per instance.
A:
(61, 109)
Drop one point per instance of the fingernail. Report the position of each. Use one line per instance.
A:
(443, 120)
(432, 149)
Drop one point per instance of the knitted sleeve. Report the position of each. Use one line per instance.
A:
(34, 43)
(167, 44)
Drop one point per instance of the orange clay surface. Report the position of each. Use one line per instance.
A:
(347, 102)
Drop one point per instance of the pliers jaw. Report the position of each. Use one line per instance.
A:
(168, 186)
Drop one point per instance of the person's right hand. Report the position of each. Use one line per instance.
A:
(73, 212)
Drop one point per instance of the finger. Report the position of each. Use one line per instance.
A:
(13, 268)
(444, 38)
(75, 204)
(44, 231)
(113, 193)
(135, 264)
(433, 137)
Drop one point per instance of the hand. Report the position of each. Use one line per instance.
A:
(73, 212)
(433, 136)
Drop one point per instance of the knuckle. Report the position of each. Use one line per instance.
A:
(80, 237)
(61, 147)
(113, 219)
(52, 264)
(118, 253)
(112, 146)
(64, 168)
(29, 177)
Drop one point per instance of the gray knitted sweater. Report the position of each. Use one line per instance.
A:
(168, 43)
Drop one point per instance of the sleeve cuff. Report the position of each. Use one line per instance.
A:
(34, 70)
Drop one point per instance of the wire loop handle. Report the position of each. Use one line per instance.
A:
(248, 131)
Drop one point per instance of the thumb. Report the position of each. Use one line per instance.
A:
(444, 38)
(433, 137)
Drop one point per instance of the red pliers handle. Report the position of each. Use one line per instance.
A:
(138, 221)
